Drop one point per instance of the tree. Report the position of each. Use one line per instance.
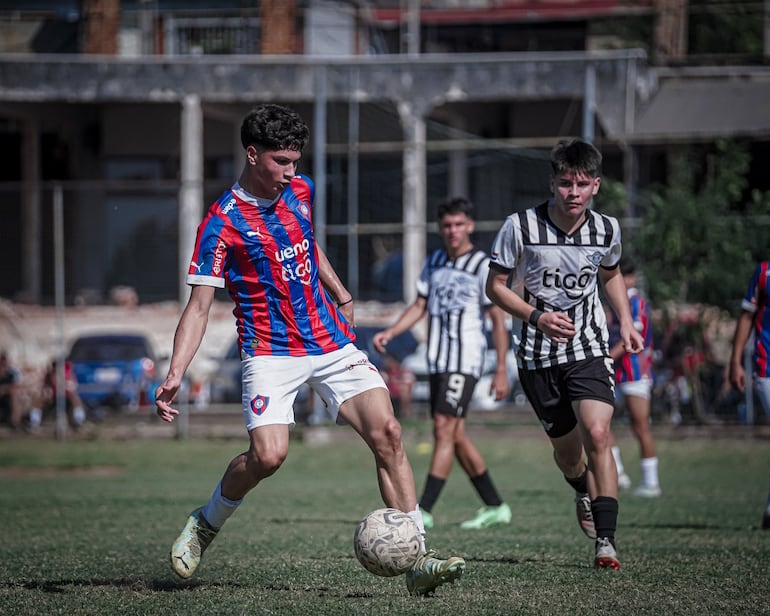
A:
(701, 235)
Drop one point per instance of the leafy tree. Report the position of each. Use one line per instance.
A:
(700, 237)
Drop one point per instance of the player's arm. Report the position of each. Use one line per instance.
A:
(740, 338)
(413, 313)
(334, 286)
(556, 325)
(500, 385)
(187, 339)
(615, 290)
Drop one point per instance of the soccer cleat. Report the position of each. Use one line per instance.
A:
(429, 572)
(624, 481)
(489, 516)
(189, 546)
(427, 519)
(606, 556)
(646, 491)
(585, 516)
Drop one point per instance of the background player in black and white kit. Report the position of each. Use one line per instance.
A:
(451, 289)
(545, 264)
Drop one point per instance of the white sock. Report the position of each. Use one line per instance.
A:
(417, 517)
(618, 460)
(35, 417)
(649, 472)
(219, 508)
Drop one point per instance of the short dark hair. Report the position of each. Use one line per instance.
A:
(274, 127)
(456, 205)
(576, 156)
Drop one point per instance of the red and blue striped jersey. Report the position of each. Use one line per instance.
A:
(634, 366)
(265, 254)
(756, 302)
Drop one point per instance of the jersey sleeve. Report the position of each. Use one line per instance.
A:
(482, 276)
(505, 246)
(211, 253)
(612, 258)
(423, 282)
(750, 301)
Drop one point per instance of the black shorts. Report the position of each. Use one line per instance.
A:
(450, 393)
(551, 391)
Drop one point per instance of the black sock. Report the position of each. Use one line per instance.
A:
(605, 510)
(433, 487)
(580, 484)
(486, 489)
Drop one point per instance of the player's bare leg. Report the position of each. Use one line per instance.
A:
(594, 419)
(268, 448)
(371, 415)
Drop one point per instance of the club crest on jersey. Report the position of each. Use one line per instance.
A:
(304, 209)
(259, 404)
(595, 258)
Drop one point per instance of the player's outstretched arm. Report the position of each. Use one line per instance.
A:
(187, 339)
(413, 313)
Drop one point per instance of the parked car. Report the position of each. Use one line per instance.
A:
(114, 370)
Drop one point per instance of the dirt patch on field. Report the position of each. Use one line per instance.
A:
(48, 472)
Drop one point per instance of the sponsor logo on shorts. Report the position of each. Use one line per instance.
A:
(361, 362)
(259, 404)
(546, 424)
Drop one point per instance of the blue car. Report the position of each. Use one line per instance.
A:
(114, 370)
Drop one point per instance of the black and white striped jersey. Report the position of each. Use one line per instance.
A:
(559, 272)
(456, 299)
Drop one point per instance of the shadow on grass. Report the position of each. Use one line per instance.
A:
(137, 585)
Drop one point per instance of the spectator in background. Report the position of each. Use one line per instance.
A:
(400, 381)
(46, 403)
(10, 402)
(755, 314)
(634, 380)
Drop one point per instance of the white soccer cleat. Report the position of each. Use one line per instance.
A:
(188, 548)
(606, 556)
(585, 516)
(646, 491)
(624, 481)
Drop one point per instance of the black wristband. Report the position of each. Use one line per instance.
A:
(341, 304)
(534, 316)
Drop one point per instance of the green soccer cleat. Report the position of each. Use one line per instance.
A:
(489, 516)
(192, 542)
(427, 519)
(429, 572)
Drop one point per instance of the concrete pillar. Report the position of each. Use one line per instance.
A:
(191, 186)
(30, 212)
(414, 197)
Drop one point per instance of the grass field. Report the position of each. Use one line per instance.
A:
(88, 526)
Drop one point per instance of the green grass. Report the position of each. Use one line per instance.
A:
(88, 525)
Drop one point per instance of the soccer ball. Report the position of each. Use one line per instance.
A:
(387, 542)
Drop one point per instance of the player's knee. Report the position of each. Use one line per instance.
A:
(388, 440)
(265, 462)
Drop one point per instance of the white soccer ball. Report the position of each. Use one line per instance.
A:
(387, 542)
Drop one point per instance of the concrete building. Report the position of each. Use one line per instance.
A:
(127, 114)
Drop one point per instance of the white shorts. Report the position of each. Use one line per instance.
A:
(639, 389)
(762, 387)
(270, 383)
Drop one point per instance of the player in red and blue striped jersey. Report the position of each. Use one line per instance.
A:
(634, 378)
(257, 241)
(755, 314)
